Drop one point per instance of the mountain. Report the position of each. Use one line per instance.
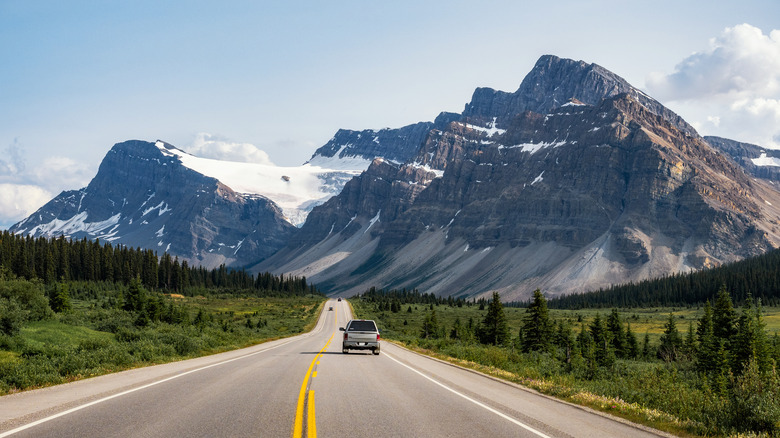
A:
(397, 145)
(575, 181)
(209, 212)
(755, 160)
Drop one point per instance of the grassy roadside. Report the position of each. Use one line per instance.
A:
(664, 396)
(94, 338)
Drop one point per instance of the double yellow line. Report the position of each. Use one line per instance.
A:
(311, 425)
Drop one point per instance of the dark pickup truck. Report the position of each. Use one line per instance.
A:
(360, 334)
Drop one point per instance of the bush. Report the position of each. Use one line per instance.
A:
(755, 400)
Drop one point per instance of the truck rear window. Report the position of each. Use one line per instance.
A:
(362, 326)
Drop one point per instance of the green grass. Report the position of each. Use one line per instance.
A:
(650, 320)
(668, 396)
(94, 338)
(54, 332)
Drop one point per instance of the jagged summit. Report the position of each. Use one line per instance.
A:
(575, 181)
(552, 82)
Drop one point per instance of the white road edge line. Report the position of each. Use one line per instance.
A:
(476, 402)
(78, 408)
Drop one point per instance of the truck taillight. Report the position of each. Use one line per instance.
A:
(345, 336)
(377, 336)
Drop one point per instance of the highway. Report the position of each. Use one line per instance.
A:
(301, 386)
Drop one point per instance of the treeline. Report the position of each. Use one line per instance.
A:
(391, 300)
(60, 259)
(726, 355)
(758, 277)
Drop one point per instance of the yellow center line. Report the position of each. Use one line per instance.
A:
(311, 425)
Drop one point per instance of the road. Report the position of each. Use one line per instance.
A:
(301, 386)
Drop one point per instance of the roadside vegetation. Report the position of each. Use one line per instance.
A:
(103, 309)
(705, 369)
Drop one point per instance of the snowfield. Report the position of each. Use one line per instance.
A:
(296, 190)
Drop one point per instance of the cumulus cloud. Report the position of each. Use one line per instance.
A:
(741, 61)
(26, 187)
(731, 89)
(208, 146)
(18, 201)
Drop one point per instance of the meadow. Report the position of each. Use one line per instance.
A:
(669, 395)
(96, 335)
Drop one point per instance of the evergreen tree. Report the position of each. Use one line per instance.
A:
(430, 326)
(564, 339)
(689, 345)
(724, 316)
(646, 346)
(671, 341)
(632, 346)
(750, 340)
(136, 296)
(604, 354)
(537, 329)
(457, 329)
(494, 329)
(708, 346)
(615, 328)
(59, 297)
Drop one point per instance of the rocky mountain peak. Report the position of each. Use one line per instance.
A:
(552, 83)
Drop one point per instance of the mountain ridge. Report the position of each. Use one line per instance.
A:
(576, 180)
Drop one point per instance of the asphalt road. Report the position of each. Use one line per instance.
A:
(302, 385)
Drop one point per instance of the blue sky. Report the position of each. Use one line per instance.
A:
(274, 80)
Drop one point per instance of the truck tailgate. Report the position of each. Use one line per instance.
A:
(361, 337)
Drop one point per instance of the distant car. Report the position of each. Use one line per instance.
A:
(360, 334)
(330, 308)
(339, 299)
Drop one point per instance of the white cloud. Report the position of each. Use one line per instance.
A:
(18, 201)
(60, 173)
(731, 89)
(741, 61)
(208, 146)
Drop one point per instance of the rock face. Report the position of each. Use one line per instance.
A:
(143, 197)
(755, 160)
(576, 181)
(398, 145)
(554, 81)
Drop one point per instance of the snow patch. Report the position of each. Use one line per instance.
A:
(538, 178)
(427, 168)
(306, 187)
(373, 220)
(490, 130)
(160, 232)
(534, 147)
(75, 224)
(763, 160)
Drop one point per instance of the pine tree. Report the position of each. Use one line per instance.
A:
(537, 329)
(604, 354)
(135, 299)
(494, 329)
(564, 339)
(615, 328)
(724, 316)
(671, 341)
(632, 346)
(457, 329)
(430, 326)
(646, 346)
(689, 345)
(707, 343)
(59, 298)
